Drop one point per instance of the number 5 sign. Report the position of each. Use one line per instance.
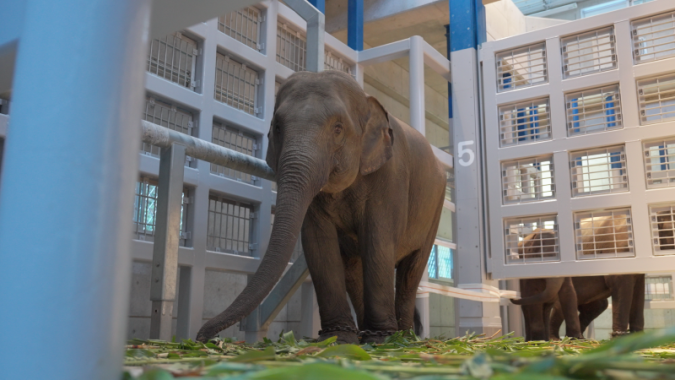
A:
(461, 150)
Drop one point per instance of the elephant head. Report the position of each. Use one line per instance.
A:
(324, 133)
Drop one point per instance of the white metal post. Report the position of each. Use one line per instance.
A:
(67, 191)
(416, 59)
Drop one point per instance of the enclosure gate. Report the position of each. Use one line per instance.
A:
(580, 136)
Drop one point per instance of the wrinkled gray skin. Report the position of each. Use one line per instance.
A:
(367, 192)
(539, 296)
(628, 302)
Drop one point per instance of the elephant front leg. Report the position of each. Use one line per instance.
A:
(622, 300)
(322, 252)
(637, 310)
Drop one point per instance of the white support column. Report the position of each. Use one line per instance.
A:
(416, 59)
(70, 166)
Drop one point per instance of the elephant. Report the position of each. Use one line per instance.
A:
(365, 193)
(628, 302)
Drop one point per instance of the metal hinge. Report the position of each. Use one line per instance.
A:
(240, 133)
(151, 102)
(179, 34)
(252, 246)
(257, 110)
(253, 215)
(186, 235)
(261, 46)
(255, 146)
(196, 52)
(195, 83)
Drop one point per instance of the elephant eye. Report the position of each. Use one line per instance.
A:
(277, 128)
(337, 129)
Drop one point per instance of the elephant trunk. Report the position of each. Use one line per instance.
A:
(296, 189)
(549, 294)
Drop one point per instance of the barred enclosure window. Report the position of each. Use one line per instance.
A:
(656, 97)
(169, 116)
(658, 287)
(598, 171)
(654, 37)
(529, 179)
(588, 52)
(291, 48)
(229, 226)
(297, 250)
(521, 67)
(531, 239)
(440, 263)
(174, 58)
(334, 62)
(658, 155)
(236, 84)
(593, 110)
(603, 234)
(524, 122)
(237, 140)
(243, 25)
(145, 211)
(662, 220)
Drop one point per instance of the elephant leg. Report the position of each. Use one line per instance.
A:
(408, 275)
(637, 310)
(622, 299)
(557, 319)
(567, 298)
(534, 322)
(588, 312)
(322, 252)
(354, 278)
(547, 307)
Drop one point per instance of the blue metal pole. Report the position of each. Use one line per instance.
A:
(355, 25)
(319, 4)
(66, 200)
(447, 53)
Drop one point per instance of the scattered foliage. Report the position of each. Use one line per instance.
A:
(648, 355)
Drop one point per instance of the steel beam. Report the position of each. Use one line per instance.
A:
(283, 291)
(316, 22)
(167, 239)
(355, 24)
(417, 86)
(65, 226)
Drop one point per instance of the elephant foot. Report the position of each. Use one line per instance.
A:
(616, 334)
(378, 336)
(345, 334)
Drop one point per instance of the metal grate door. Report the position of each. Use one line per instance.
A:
(237, 140)
(654, 37)
(244, 26)
(291, 48)
(169, 116)
(578, 139)
(334, 62)
(525, 122)
(236, 84)
(589, 52)
(145, 211)
(521, 67)
(174, 58)
(229, 226)
(657, 99)
(593, 110)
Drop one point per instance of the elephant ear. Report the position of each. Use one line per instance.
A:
(377, 139)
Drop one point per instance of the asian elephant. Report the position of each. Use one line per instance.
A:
(628, 302)
(365, 190)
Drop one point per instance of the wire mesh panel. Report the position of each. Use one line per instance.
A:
(333, 62)
(291, 48)
(174, 58)
(654, 37)
(529, 179)
(658, 155)
(440, 263)
(531, 239)
(243, 25)
(524, 122)
(658, 287)
(598, 171)
(588, 52)
(593, 110)
(656, 97)
(236, 84)
(662, 219)
(297, 250)
(237, 140)
(145, 211)
(229, 226)
(603, 234)
(521, 67)
(167, 115)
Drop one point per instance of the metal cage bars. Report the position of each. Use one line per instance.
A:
(237, 140)
(174, 58)
(589, 52)
(243, 25)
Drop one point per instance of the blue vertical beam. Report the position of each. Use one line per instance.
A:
(355, 25)
(319, 4)
(447, 53)
(67, 189)
(467, 24)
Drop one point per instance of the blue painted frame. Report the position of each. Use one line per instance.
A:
(319, 4)
(467, 24)
(355, 25)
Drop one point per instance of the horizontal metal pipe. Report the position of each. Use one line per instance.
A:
(203, 150)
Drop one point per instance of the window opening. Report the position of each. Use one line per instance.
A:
(440, 263)
(599, 171)
(662, 220)
(656, 98)
(593, 110)
(174, 58)
(659, 157)
(229, 226)
(524, 122)
(243, 25)
(145, 211)
(528, 179)
(589, 52)
(658, 288)
(237, 140)
(168, 116)
(236, 84)
(603, 234)
(531, 239)
(653, 37)
(521, 67)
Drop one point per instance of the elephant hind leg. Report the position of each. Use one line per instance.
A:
(354, 282)
(557, 319)
(637, 310)
(588, 312)
(408, 275)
